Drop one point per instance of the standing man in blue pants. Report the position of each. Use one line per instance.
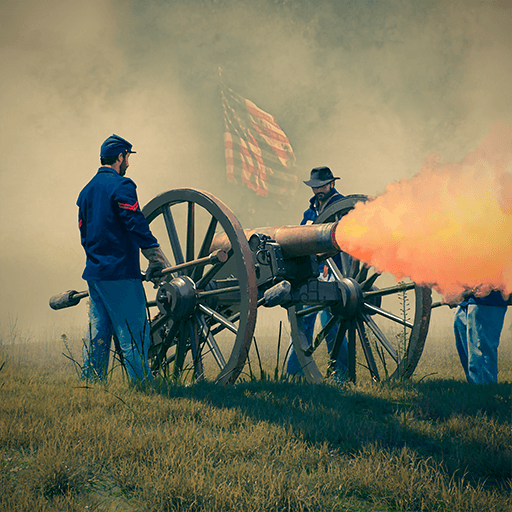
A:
(112, 230)
(478, 322)
(322, 182)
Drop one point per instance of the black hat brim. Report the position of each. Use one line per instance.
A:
(320, 183)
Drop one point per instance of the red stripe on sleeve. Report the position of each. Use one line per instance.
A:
(132, 207)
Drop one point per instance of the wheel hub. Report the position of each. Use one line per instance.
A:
(351, 298)
(177, 297)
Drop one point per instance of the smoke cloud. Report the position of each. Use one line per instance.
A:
(367, 88)
(449, 227)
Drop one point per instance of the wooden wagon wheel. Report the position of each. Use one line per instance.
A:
(206, 315)
(390, 319)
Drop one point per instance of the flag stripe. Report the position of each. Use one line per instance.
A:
(272, 177)
(257, 151)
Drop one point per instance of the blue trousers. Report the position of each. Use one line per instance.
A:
(117, 308)
(477, 336)
(293, 366)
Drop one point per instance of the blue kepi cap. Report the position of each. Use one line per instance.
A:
(115, 145)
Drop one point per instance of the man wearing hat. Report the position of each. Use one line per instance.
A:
(112, 230)
(322, 182)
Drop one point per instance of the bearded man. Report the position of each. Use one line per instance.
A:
(322, 182)
(112, 230)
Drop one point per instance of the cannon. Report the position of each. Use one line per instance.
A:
(203, 314)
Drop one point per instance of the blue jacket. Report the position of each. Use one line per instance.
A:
(112, 227)
(313, 212)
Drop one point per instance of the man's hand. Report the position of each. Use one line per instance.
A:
(153, 272)
(157, 262)
(454, 300)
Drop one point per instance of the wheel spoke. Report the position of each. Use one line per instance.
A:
(181, 350)
(328, 327)
(345, 263)
(351, 338)
(190, 231)
(212, 344)
(205, 247)
(387, 314)
(196, 350)
(370, 322)
(354, 268)
(173, 234)
(370, 282)
(363, 273)
(234, 318)
(340, 336)
(367, 350)
(334, 269)
(389, 291)
(218, 318)
(219, 291)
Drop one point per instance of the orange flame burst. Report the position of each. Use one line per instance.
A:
(449, 227)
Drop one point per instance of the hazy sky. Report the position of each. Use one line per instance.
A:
(368, 88)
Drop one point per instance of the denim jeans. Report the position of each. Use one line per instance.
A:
(293, 366)
(117, 308)
(477, 336)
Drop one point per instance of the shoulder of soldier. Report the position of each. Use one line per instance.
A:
(123, 185)
(127, 181)
(125, 191)
(336, 197)
(310, 213)
(83, 193)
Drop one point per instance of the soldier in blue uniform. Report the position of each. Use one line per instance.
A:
(322, 181)
(112, 230)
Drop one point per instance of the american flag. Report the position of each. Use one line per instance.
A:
(258, 153)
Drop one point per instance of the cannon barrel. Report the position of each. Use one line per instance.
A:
(294, 241)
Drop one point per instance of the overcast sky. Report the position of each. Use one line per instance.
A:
(368, 88)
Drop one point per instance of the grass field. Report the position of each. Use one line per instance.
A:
(431, 443)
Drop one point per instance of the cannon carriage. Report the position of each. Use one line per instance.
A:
(203, 314)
